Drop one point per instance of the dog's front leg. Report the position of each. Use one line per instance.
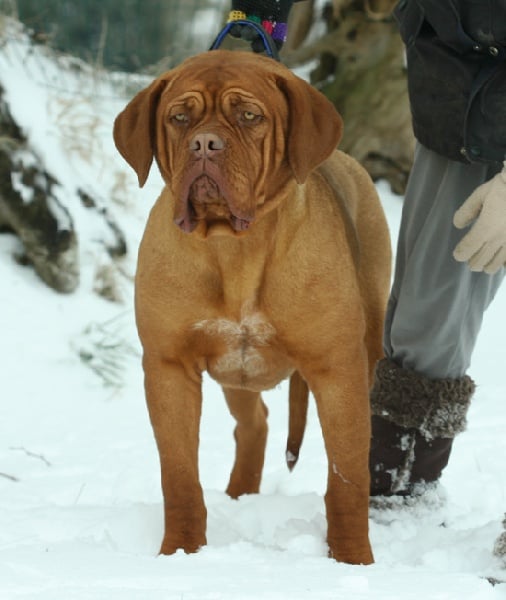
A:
(341, 396)
(175, 403)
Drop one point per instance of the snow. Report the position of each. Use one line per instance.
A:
(80, 499)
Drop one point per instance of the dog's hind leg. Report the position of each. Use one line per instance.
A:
(250, 413)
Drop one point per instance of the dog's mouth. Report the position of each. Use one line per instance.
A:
(205, 201)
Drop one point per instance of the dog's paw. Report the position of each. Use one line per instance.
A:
(185, 529)
(190, 544)
(353, 553)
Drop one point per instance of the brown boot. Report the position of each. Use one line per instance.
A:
(414, 421)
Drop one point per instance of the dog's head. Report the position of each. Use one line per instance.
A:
(228, 130)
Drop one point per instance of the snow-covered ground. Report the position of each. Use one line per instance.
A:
(80, 501)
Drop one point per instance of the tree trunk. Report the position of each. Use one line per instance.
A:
(361, 69)
(30, 208)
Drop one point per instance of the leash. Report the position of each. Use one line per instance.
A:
(261, 36)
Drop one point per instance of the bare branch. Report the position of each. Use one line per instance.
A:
(31, 454)
(9, 477)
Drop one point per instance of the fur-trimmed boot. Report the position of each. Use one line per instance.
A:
(500, 544)
(414, 421)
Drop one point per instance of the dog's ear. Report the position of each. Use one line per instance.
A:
(314, 126)
(134, 129)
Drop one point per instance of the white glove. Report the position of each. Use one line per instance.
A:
(484, 246)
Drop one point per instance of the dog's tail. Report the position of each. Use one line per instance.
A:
(297, 416)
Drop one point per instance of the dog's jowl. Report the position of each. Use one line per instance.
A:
(265, 257)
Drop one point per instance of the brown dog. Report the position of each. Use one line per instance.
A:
(266, 256)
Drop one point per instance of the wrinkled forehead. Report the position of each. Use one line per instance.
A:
(215, 75)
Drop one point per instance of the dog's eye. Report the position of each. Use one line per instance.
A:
(250, 117)
(180, 118)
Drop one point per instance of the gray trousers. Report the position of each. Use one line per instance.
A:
(436, 304)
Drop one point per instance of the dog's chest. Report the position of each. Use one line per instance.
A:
(243, 353)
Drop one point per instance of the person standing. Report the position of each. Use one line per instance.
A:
(444, 280)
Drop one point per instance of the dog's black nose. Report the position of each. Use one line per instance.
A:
(206, 144)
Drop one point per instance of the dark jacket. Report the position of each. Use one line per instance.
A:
(456, 56)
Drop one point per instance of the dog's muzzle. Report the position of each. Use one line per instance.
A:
(206, 197)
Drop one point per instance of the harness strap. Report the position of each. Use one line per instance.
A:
(254, 31)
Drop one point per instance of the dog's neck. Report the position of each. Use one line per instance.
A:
(247, 259)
